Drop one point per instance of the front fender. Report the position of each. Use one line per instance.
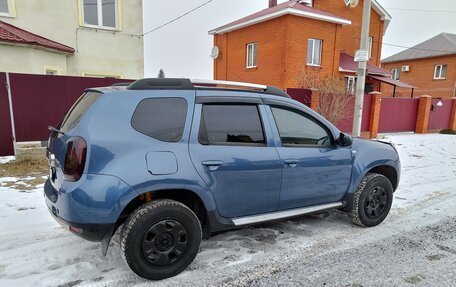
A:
(369, 155)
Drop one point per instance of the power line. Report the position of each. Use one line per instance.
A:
(177, 18)
(414, 48)
(406, 47)
(419, 10)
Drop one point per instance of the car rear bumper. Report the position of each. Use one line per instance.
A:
(90, 232)
(93, 204)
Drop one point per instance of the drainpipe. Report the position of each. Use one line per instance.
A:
(10, 100)
(454, 92)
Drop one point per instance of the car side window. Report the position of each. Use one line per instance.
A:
(231, 124)
(296, 128)
(162, 119)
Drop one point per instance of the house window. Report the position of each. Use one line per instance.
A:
(252, 52)
(102, 75)
(369, 46)
(51, 72)
(100, 13)
(314, 47)
(350, 84)
(6, 8)
(440, 72)
(395, 74)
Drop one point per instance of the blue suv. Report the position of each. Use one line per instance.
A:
(173, 160)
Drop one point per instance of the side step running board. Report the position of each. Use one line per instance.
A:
(284, 214)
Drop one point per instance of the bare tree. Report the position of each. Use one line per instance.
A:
(161, 74)
(336, 103)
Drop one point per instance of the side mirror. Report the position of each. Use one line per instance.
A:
(344, 140)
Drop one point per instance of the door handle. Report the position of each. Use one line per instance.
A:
(212, 164)
(291, 162)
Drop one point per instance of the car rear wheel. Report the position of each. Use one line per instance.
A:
(160, 239)
(372, 200)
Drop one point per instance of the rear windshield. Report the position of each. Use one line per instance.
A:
(78, 110)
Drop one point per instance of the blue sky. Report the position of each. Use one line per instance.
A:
(182, 48)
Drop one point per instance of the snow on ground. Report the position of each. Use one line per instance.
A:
(5, 159)
(36, 251)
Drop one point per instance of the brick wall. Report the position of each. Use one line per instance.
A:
(282, 46)
(421, 75)
(351, 33)
(282, 51)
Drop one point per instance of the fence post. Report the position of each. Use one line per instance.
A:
(453, 116)
(10, 102)
(422, 119)
(374, 120)
(315, 100)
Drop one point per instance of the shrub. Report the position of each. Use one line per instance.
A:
(336, 103)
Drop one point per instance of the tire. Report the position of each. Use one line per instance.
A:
(160, 239)
(372, 200)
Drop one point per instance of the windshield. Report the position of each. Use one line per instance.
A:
(78, 110)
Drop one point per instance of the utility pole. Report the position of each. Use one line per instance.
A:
(362, 71)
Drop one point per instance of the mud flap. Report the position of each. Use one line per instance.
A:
(106, 240)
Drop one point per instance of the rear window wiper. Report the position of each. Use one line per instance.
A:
(52, 129)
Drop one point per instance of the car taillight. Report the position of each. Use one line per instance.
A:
(75, 158)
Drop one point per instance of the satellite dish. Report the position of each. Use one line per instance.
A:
(351, 3)
(215, 52)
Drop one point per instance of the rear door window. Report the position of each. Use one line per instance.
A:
(161, 118)
(78, 110)
(231, 125)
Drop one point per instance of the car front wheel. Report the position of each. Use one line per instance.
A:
(160, 239)
(372, 200)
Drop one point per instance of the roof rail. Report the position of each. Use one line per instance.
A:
(217, 83)
(187, 84)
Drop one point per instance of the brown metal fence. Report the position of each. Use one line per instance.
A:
(37, 102)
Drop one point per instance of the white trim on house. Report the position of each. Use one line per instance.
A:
(286, 11)
(383, 14)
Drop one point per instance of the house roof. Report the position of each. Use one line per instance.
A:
(14, 35)
(440, 45)
(390, 81)
(286, 8)
(347, 64)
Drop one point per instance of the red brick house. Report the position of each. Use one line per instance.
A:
(430, 66)
(276, 45)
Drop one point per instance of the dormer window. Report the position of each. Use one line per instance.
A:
(100, 13)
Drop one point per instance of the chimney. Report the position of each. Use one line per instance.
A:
(272, 3)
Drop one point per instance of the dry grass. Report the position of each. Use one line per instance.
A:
(29, 173)
(36, 168)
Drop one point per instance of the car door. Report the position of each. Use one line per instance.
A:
(229, 149)
(315, 169)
